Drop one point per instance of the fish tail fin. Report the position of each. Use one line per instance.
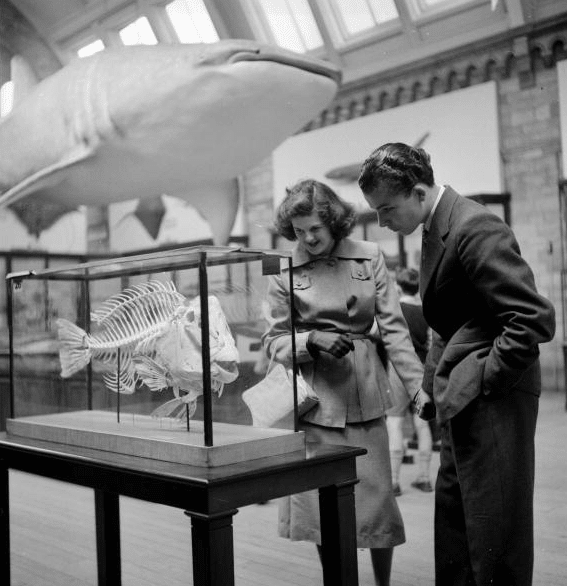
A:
(74, 351)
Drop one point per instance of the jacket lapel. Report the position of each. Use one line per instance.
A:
(434, 246)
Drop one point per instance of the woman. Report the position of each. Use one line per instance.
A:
(345, 302)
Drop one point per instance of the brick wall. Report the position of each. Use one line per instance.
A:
(531, 149)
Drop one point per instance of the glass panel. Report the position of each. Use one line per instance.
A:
(91, 48)
(356, 16)
(383, 10)
(138, 32)
(306, 24)
(191, 21)
(38, 387)
(145, 264)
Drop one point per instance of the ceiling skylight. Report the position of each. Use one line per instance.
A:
(138, 32)
(288, 23)
(91, 48)
(357, 16)
(191, 21)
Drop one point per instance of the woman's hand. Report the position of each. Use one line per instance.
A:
(338, 345)
(424, 405)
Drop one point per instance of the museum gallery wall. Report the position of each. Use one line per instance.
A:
(459, 130)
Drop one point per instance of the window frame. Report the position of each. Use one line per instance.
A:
(263, 32)
(163, 6)
(421, 13)
(339, 33)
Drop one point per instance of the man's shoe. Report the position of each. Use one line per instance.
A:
(423, 485)
(397, 490)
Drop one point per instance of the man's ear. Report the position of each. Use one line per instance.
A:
(419, 191)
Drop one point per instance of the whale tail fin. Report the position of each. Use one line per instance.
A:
(74, 350)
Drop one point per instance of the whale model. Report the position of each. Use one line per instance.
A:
(141, 121)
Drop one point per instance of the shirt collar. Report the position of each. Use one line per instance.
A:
(427, 223)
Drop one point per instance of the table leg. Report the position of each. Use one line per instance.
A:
(107, 517)
(4, 525)
(338, 535)
(213, 549)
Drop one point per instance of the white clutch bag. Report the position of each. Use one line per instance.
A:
(272, 398)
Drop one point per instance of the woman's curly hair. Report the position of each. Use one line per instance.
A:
(308, 196)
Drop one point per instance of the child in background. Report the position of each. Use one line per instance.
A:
(408, 283)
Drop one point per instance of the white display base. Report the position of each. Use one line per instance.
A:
(159, 439)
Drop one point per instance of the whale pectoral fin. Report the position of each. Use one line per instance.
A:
(218, 204)
(38, 214)
(48, 178)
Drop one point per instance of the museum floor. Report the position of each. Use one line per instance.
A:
(53, 539)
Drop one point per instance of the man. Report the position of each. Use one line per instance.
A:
(480, 299)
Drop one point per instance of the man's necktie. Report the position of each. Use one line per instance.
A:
(424, 234)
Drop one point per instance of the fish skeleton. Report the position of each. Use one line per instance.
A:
(173, 359)
(151, 334)
(141, 121)
(123, 321)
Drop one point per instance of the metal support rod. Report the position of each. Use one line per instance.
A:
(10, 319)
(293, 356)
(118, 386)
(87, 327)
(206, 351)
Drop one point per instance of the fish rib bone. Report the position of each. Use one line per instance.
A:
(134, 314)
(151, 295)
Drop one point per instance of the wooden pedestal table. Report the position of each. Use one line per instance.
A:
(210, 496)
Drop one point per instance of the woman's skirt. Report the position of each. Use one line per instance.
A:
(378, 520)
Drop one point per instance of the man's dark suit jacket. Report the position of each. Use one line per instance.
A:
(480, 298)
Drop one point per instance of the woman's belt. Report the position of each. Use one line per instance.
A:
(378, 342)
(353, 336)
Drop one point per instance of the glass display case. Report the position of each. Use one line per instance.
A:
(146, 355)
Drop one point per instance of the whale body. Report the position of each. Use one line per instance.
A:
(141, 121)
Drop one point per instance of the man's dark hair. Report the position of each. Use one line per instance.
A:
(396, 167)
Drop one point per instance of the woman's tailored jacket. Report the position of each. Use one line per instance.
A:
(350, 291)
